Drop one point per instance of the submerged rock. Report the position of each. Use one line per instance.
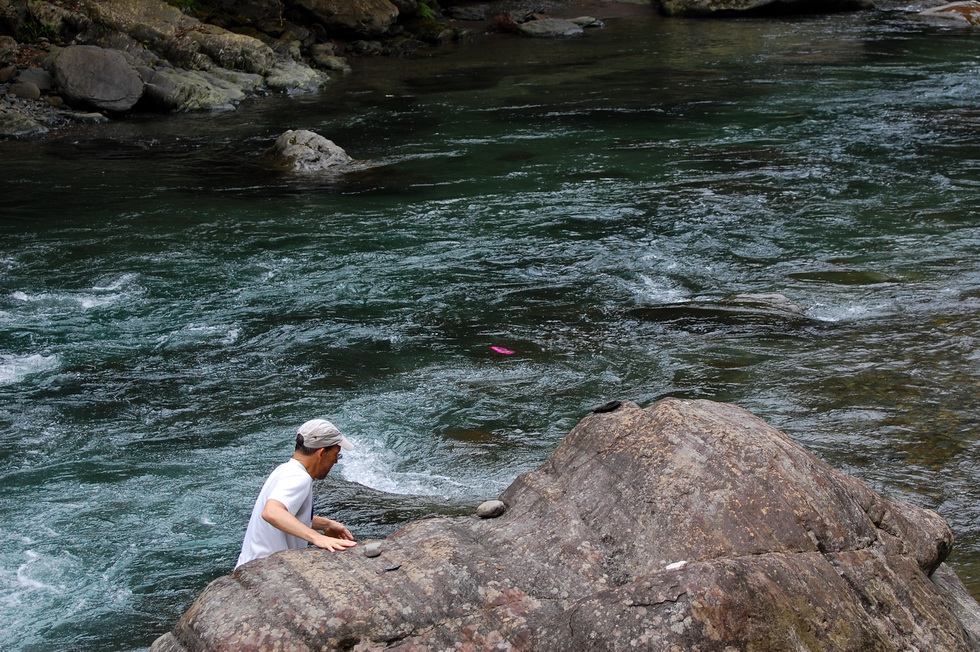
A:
(768, 310)
(686, 525)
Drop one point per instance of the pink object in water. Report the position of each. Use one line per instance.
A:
(500, 349)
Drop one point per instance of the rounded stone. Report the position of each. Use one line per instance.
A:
(491, 509)
(25, 90)
(98, 78)
(372, 549)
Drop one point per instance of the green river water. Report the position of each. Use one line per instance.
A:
(171, 311)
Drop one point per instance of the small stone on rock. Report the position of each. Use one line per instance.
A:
(372, 549)
(491, 509)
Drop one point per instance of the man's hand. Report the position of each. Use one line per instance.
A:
(333, 544)
(332, 528)
(337, 530)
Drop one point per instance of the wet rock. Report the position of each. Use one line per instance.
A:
(549, 28)
(91, 76)
(15, 125)
(772, 302)
(491, 509)
(308, 152)
(7, 73)
(688, 525)
(765, 311)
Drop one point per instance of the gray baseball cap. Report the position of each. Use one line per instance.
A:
(320, 433)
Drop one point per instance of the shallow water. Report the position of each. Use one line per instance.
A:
(170, 311)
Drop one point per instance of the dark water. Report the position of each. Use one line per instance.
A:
(170, 312)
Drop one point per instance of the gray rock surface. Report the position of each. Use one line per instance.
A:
(88, 75)
(688, 525)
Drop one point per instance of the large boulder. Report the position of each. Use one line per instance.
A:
(689, 525)
(736, 7)
(364, 18)
(88, 75)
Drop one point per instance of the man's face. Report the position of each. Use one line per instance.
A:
(326, 460)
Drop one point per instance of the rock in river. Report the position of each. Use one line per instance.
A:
(688, 525)
(306, 151)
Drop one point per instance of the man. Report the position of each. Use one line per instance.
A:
(282, 517)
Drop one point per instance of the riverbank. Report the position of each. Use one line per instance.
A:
(32, 104)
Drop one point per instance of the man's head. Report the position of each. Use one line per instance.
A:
(320, 442)
(320, 433)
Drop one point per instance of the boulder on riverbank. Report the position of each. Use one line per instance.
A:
(686, 525)
(102, 79)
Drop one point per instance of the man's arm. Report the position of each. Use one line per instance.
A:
(276, 514)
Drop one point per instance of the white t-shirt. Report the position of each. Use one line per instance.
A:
(291, 485)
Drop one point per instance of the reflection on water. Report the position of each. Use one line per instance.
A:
(170, 310)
